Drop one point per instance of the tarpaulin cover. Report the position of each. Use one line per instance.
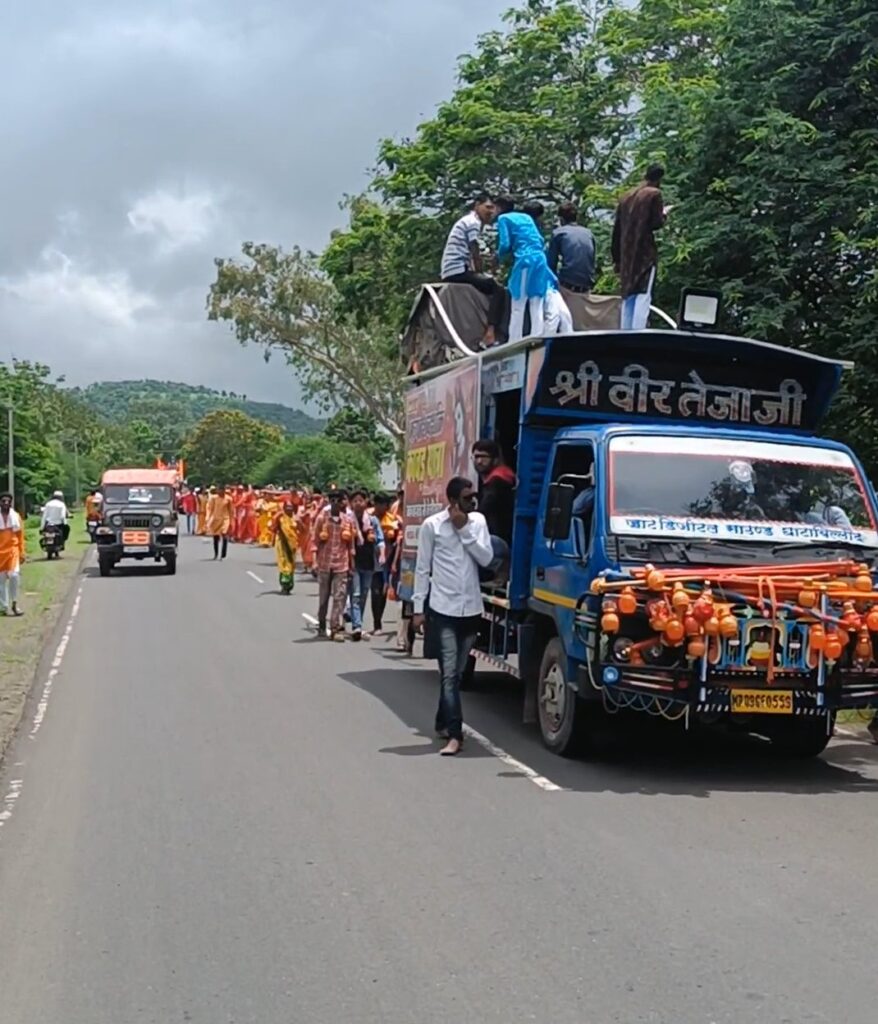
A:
(427, 342)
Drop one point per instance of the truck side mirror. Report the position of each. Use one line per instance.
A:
(559, 512)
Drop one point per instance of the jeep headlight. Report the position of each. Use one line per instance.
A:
(116, 520)
(157, 521)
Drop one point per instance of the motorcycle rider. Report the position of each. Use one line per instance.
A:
(55, 514)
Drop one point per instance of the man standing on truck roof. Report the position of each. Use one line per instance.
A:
(462, 261)
(530, 280)
(558, 317)
(452, 545)
(572, 252)
(640, 213)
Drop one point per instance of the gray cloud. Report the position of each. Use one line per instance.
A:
(142, 140)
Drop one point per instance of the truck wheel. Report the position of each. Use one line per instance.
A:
(171, 564)
(558, 706)
(105, 566)
(801, 737)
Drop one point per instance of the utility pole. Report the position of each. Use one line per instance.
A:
(78, 493)
(10, 459)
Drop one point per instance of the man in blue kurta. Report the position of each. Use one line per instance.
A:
(531, 279)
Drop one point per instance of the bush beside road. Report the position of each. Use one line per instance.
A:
(44, 589)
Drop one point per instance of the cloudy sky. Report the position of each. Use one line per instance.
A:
(141, 139)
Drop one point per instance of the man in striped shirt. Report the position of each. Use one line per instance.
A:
(462, 261)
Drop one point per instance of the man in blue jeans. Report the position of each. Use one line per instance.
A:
(369, 556)
(451, 547)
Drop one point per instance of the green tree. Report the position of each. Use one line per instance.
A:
(351, 426)
(144, 443)
(28, 388)
(378, 263)
(226, 446)
(767, 114)
(317, 462)
(535, 113)
(284, 303)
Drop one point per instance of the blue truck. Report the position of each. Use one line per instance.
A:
(684, 545)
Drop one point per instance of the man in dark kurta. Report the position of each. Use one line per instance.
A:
(640, 213)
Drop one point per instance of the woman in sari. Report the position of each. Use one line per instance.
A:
(286, 541)
(265, 510)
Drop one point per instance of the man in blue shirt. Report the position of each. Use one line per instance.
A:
(573, 247)
(531, 279)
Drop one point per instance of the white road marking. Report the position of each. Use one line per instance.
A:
(253, 575)
(513, 762)
(9, 801)
(839, 731)
(15, 785)
(43, 704)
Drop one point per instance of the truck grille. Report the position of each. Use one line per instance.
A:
(136, 522)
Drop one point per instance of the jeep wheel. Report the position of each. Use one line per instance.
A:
(105, 565)
(561, 712)
(171, 564)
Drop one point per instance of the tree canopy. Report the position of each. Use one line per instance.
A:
(225, 447)
(317, 462)
(764, 113)
(284, 303)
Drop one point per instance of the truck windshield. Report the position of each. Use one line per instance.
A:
(706, 489)
(136, 494)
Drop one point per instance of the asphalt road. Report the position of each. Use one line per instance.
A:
(221, 820)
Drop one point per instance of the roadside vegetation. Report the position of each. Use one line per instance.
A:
(45, 586)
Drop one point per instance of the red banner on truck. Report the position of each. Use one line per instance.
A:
(441, 417)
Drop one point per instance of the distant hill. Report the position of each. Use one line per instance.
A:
(120, 401)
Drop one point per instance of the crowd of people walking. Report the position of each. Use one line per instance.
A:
(349, 541)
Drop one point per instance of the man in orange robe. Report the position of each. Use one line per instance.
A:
(11, 556)
(237, 513)
(250, 530)
(220, 516)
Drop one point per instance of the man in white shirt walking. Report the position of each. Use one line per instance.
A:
(451, 547)
(55, 514)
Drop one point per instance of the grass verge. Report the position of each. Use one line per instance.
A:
(44, 588)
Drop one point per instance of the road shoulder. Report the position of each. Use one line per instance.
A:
(45, 591)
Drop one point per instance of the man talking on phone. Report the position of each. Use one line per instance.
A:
(451, 546)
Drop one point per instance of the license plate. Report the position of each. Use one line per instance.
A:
(762, 702)
(136, 549)
(136, 537)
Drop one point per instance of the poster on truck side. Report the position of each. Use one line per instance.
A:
(441, 426)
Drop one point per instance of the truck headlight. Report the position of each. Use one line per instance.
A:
(157, 521)
(116, 520)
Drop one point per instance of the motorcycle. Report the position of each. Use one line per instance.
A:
(52, 541)
(91, 525)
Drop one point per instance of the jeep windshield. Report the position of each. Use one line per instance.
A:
(697, 498)
(136, 494)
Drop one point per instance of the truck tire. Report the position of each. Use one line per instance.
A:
(171, 564)
(559, 709)
(801, 737)
(105, 566)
